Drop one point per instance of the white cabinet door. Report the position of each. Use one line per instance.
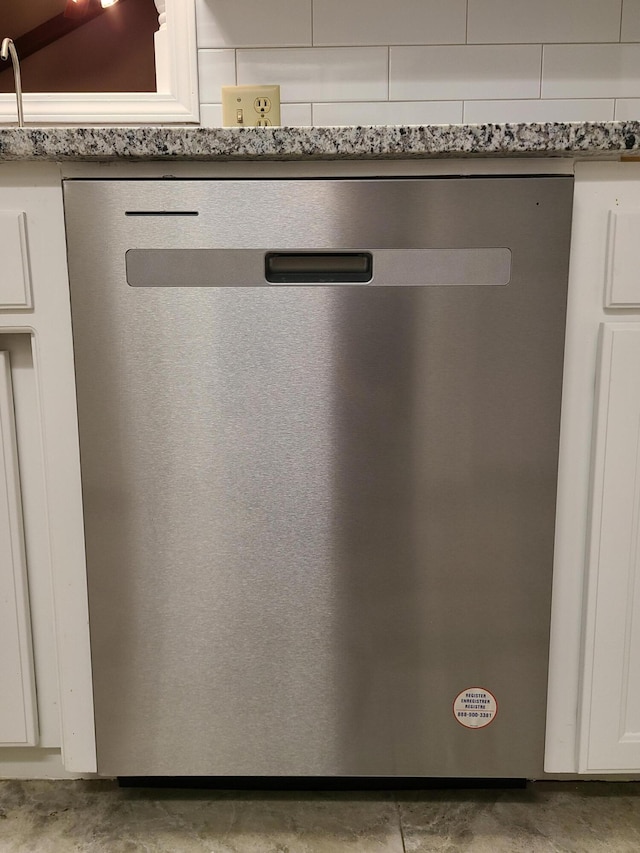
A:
(17, 685)
(611, 697)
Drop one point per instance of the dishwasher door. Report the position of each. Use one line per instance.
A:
(319, 513)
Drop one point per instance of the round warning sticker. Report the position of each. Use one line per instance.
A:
(475, 707)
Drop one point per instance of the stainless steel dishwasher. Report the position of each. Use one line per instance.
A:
(319, 434)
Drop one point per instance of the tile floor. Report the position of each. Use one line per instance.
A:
(56, 817)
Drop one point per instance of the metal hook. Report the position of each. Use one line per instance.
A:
(8, 50)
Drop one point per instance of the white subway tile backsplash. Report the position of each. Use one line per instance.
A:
(291, 115)
(319, 74)
(216, 68)
(529, 21)
(587, 109)
(627, 109)
(211, 115)
(464, 72)
(295, 115)
(591, 71)
(253, 23)
(630, 20)
(385, 112)
(362, 22)
(362, 62)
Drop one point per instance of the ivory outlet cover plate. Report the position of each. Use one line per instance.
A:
(250, 106)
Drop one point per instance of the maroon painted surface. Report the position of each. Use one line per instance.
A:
(111, 53)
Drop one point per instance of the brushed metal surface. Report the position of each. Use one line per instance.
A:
(246, 267)
(315, 515)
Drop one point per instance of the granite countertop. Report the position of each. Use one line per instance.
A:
(298, 143)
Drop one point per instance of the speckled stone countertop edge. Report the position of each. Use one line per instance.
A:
(303, 143)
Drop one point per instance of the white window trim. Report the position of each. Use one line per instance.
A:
(176, 100)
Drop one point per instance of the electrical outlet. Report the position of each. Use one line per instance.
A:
(250, 106)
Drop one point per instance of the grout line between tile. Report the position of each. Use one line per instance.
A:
(313, 37)
(388, 73)
(466, 25)
(405, 44)
(621, 19)
(541, 71)
(400, 827)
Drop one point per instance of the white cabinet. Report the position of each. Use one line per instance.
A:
(595, 648)
(17, 675)
(45, 671)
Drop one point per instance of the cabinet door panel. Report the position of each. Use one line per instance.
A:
(611, 717)
(17, 688)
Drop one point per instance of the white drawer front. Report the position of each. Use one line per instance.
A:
(623, 273)
(15, 284)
